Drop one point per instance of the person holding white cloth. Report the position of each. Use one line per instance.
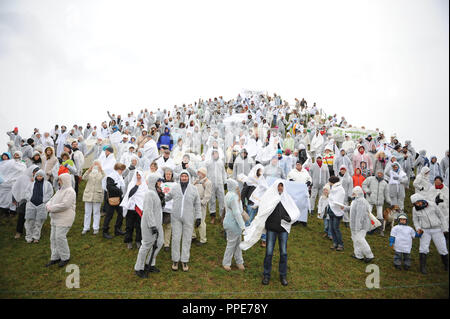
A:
(276, 214)
(133, 205)
(336, 211)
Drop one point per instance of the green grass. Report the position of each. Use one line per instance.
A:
(314, 271)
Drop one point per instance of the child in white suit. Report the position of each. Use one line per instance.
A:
(401, 240)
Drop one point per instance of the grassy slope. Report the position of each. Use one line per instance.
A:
(106, 268)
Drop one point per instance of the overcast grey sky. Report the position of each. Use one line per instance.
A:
(380, 63)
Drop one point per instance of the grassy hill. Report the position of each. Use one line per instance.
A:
(314, 271)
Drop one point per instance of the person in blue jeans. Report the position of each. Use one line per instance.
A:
(335, 211)
(275, 230)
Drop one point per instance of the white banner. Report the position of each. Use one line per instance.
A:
(338, 133)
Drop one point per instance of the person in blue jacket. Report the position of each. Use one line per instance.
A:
(165, 139)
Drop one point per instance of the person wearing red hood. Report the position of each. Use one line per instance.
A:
(15, 137)
(358, 178)
(362, 156)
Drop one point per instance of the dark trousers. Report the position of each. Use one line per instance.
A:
(271, 238)
(109, 215)
(20, 217)
(132, 222)
(398, 259)
(105, 202)
(76, 184)
(5, 212)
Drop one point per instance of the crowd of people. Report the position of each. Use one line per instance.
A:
(163, 171)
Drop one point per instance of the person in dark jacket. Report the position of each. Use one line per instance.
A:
(165, 139)
(275, 230)
(114, 185)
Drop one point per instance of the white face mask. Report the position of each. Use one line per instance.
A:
(95, 169)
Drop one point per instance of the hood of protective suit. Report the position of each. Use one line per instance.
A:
(35, 153)
(232, 185)
(187, 173)
(152, 179)
(66, 180)
(424, 170)
(417, 197)
(252, 179)
(358, 192)
(395, 163)
(19, 153)
(40, 173)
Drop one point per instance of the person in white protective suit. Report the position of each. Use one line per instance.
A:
(273, 169)
(422, 181)
(347, 184)
(10, 170)
(336, 210)
(143, 162)
(127, 155)
(62, 215)
(241, 167)
(431, 223)
(186, 212)
(401, 239)
(276, 213)
(377, 193)
(107, 159)
(360, 225)
(19, 193)
(316, 144)
(150, 151)
(421, 160)
(321, 212)
(348, 144)
(445, 163)
(342, 159)
(439, 193)
(204, 188)
(435, 169)
(186, 164)
(165, 161)
(196, 140)
(233, 224)
(151, 229)
(298, 174)
(37, 195)
(320, 175)
(217, 176)
(397, 182)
